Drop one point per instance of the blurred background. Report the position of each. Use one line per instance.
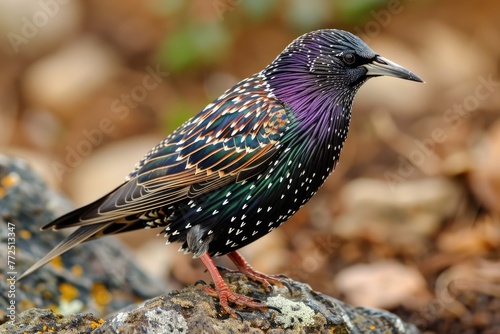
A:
(409, 220)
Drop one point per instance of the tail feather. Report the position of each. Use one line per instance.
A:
(77, 237)
(74, 218)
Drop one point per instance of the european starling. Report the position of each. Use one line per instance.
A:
(246, 163)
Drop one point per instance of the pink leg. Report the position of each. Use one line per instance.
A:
(223, 292)
(245, 268)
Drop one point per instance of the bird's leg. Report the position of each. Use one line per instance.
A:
(223, 292)
(245, 268)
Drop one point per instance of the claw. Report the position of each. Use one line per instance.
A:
(275, 309)
(221, 268)
(266, 280)
(225, 294)
(200, 282)
(287, 285)
(239, 315)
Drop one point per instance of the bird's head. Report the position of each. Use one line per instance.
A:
(325, 63)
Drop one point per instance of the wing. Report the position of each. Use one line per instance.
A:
(231, 140)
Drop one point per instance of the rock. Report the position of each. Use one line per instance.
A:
(46, 321)
(39, 162)
(98, 277)
(302, 311)
(190, 310)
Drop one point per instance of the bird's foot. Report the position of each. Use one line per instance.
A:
(226, 296)
(267, 281)
(245, 268)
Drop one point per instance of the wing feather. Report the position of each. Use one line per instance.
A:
(231, 140)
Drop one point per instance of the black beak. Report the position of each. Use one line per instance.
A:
(382, 66)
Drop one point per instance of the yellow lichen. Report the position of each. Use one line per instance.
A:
(68, 291)
(25, 234)
(77, 270)
(57, 262)
(47, 294)
(101, 295)
(97, 323)
(26, 304)
(10, 180)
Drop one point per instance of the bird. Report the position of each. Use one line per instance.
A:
(245, 163)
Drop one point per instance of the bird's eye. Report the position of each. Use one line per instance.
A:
(349, 58)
